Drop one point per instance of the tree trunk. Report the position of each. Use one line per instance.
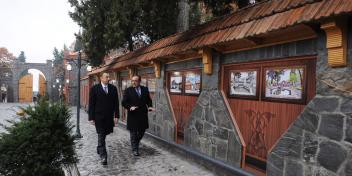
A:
(130, 44)
(183, 16)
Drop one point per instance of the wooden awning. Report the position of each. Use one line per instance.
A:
(250, 22)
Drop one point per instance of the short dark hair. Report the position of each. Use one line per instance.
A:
(102, 73)
(139, 77)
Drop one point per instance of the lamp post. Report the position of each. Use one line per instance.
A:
(69, 68)
(78, 133)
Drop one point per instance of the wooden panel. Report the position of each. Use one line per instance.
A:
(26, 89)
(42, 85)
(263, 122)
(336, 43)
(182, 106)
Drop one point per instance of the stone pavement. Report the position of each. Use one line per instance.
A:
(154, 161)
(8, 112)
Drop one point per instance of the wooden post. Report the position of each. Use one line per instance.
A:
(207, 60)
(336, 42)
(131, 71)
(157, 70)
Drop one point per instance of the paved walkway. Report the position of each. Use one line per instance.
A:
(154, 161)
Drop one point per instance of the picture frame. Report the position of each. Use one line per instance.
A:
(285, 84)
(151, 82)
(176, 83)
(144, 82)
(192, 82)
(125, 84)
(244, 83)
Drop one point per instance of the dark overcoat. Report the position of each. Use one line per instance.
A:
(137, 119)
(103, 107)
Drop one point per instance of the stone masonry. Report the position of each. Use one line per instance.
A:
(20, 69)
(319, 142)
(161, 122)
(210, 129)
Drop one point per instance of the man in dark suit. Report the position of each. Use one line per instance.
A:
(103, 111)
(137, 101)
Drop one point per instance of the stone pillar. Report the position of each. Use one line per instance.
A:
(210, 129)
(161, 122)
(319, 142)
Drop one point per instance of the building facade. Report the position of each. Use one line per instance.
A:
(267, 88)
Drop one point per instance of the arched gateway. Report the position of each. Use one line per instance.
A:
(22, 82)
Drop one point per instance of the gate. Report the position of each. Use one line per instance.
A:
(26, 88)
(42, 85)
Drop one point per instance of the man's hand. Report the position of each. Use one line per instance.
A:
(151, 109)
(116, 121)
(133, 108)
(92, 122)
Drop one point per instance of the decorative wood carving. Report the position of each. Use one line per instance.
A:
(258, 121)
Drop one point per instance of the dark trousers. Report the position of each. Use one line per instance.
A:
(101, 149)
(136, 137)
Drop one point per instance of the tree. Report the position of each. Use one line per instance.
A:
(58, 62)
(41, 144)
(6, 58)
(110, 24)
(223, 7)
(22, 57)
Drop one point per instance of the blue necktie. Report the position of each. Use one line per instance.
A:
(137, 90)
(106, 89)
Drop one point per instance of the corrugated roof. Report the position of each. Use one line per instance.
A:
(252, 21)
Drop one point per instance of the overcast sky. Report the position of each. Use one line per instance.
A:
(35, 27)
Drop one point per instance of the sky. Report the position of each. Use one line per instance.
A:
(36, 27)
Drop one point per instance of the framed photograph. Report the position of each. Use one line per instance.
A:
(192, 83)
(176, 83)
(244, 83)
(144, 82)
(151, 82)
(285, 84)
(125, 84)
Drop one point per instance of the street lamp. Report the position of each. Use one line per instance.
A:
(69, 68)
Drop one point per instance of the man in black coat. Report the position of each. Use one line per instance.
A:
(103, 111)
(137, 101)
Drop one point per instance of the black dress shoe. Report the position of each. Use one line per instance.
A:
(104, 161)
(135, 153)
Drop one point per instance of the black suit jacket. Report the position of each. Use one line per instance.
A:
(103, 107)
(137, 119)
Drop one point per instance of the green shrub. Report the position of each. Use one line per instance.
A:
(41, 144)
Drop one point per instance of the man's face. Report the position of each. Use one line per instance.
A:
(135, 81)
(105, 78)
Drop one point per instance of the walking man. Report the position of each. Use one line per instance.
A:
(103, 112)
(137, 101)
(3, 93)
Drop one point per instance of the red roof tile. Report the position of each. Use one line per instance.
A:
(258, 19)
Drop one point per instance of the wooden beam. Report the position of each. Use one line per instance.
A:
(254, 40)
(131, 71)
(157, 68)
(207, 60)
(336, 42)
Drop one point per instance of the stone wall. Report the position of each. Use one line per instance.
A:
(210, 129)
(19, 68)
(319, 142)
(161, 122)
